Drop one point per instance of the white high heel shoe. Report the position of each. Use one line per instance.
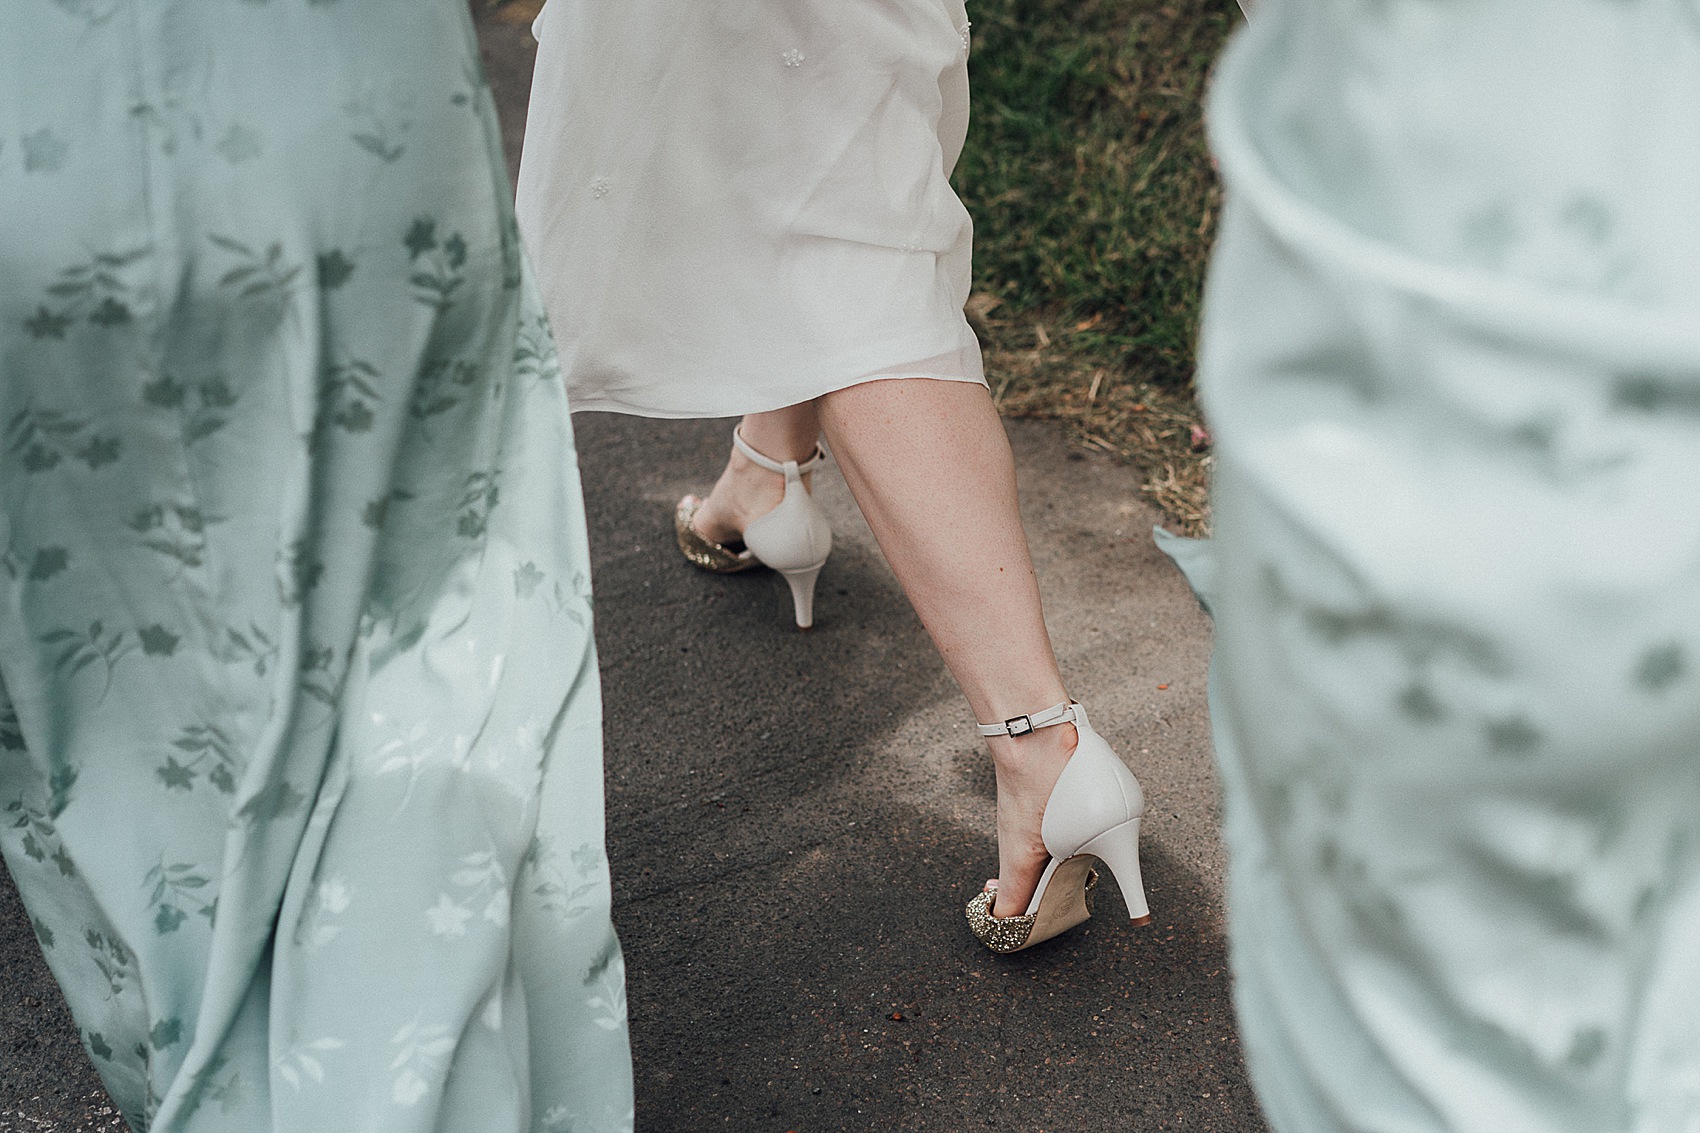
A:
(794, 538)
(1093, 812)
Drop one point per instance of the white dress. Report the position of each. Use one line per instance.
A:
(738, 206)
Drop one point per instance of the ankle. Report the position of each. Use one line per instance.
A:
(777, 446)
(743, 470)
(744, 493)
(748, 488)
(1037, 749)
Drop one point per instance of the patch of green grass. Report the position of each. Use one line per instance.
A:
(1094, 204)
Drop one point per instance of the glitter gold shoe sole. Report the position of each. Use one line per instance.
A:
(1067, 903)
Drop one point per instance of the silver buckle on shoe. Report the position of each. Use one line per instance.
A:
(1031, 722)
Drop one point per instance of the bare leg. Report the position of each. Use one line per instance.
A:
(744, 492)
(930, 467)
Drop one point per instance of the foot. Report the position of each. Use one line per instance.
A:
(1027, 769)
(743, 494)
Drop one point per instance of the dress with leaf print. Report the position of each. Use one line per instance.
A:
(300, 738)
(1451, 358)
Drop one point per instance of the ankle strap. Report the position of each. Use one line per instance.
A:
(1068, 712)
(769, 463)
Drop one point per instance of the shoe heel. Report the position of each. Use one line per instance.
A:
(1118, 848)
(794, 538)
(802, 584)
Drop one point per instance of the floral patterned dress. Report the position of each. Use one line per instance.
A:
(1451, 357)
(300, 757)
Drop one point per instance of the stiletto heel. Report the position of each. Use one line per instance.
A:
(794, 538)
(1093, 812)
(1119, 850)
(802, 583)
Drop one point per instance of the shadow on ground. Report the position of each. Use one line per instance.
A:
(790, 853)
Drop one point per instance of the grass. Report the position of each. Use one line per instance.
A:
(1094, 206)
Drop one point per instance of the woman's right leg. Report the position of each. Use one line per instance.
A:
(930, 467)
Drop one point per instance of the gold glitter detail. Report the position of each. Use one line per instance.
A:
(1000, 934)
(1010, 934)
(703, 553)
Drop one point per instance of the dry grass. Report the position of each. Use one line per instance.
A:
(1156, 428)
(1036, 371)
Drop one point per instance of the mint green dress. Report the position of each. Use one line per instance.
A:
(300, 758)
(1451, 356)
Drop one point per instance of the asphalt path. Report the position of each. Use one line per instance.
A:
(796, 820)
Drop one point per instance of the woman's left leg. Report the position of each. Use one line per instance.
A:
(746, 492)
